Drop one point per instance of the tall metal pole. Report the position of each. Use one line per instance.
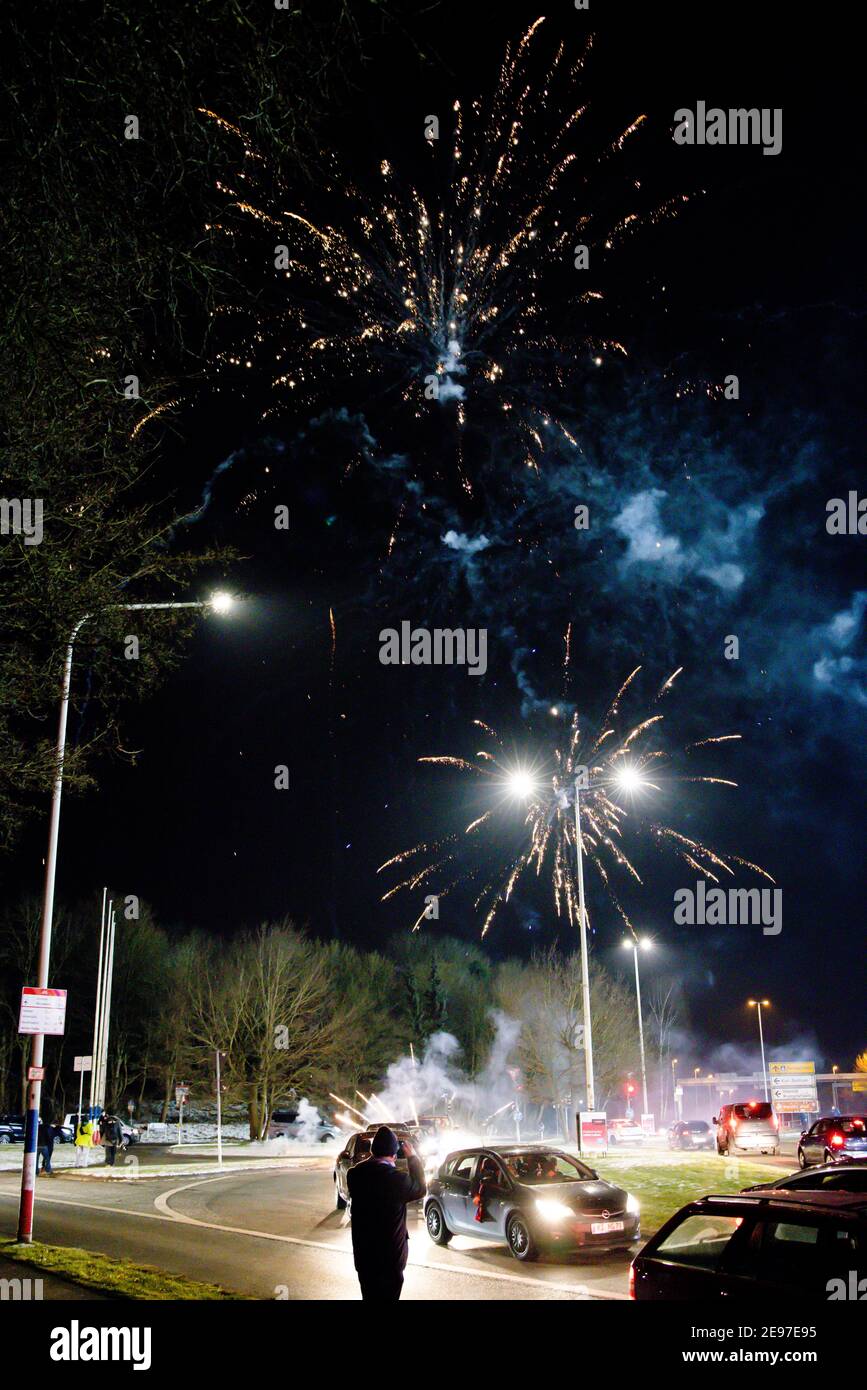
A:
(640, 1026)
(97, 1013)
(219, 1116)
(585, 975)
(762, 1046)
(106, 1012)
(37, 1051)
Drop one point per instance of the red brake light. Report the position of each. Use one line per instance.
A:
(837, 1140)
(631, 1281)
(733, 1123)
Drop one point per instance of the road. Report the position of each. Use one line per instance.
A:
(275, 1234)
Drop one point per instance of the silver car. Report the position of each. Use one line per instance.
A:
(749, 1127)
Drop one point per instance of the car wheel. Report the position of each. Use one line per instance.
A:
(436, 1225)
(802, 1158)
(829, 1157)
(339, 1202)
(521, 1242)
(4, 1139)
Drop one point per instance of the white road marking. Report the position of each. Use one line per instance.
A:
(166, 1213)
(161, 1203)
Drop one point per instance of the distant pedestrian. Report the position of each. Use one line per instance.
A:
(378, 1196)
(83, 1139)
(112, 1137)
(44, 1146)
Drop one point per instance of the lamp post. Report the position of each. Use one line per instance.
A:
(585, 965)
(633, 945)
(678, 1108)
(220, 604)
(835, 1101)
(758, 1005)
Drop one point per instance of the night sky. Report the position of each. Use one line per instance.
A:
(707, 519)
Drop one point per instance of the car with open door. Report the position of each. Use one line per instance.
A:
(531, 1199)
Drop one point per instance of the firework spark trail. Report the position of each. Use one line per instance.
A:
(548, 831)
(441, 295)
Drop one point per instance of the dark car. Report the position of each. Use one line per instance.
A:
(788, 1246)
(533, 1199)
(691, 1134)
(357, 1149)
(833, 1140)
(13, 1127)
(285, 1124)
(833, 1177)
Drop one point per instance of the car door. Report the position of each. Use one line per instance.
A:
(456, 1184)
(687, 1261)
(498, 1191)
(813, 1146)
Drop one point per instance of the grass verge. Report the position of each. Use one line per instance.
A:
(663, 1187)
(114, 1278)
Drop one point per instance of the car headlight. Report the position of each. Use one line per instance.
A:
(633, 1206)
(551, 1210)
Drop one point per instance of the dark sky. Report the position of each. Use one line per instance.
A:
(760, 275)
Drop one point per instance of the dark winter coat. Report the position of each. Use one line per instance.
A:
(379, 1193)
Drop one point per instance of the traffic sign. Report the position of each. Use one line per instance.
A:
(83, 1064)
(793, 1087)
(42, 1011)
(35, 1073)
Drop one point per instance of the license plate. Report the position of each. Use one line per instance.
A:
(601, 1228)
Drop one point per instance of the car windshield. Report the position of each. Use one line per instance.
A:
(538, 1166)
(698, 1126)
(756, 1110)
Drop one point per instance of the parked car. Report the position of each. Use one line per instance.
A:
(622, 1131)
(833, 1140)
(691, 1134)
(757, 1247)
(534, 1199)
(748, 1127)
(284, 1124)
(832, 1177)
(357, 1149)
(7, 1136)
(131, 1133)
(14, 1125)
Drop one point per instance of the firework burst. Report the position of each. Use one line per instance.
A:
(447, 300)
(612, 764)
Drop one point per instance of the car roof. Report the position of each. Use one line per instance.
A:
(825, 1200)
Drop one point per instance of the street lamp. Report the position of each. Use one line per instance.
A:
(220, 603)
(633, 944)
(835, 1102)
(760, 1004)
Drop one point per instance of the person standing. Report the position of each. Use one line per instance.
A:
(378, 1196)
(112, 1137)
(83, 1139)
(44, 1146)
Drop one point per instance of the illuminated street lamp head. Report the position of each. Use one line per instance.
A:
(629, 779)
(520, 784)
(221, 602)
(633, 942)
(765, 1003)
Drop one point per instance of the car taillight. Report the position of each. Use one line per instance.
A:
(775, 1121)
(632, 1281)
(837, 1140)
(733, 1124)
